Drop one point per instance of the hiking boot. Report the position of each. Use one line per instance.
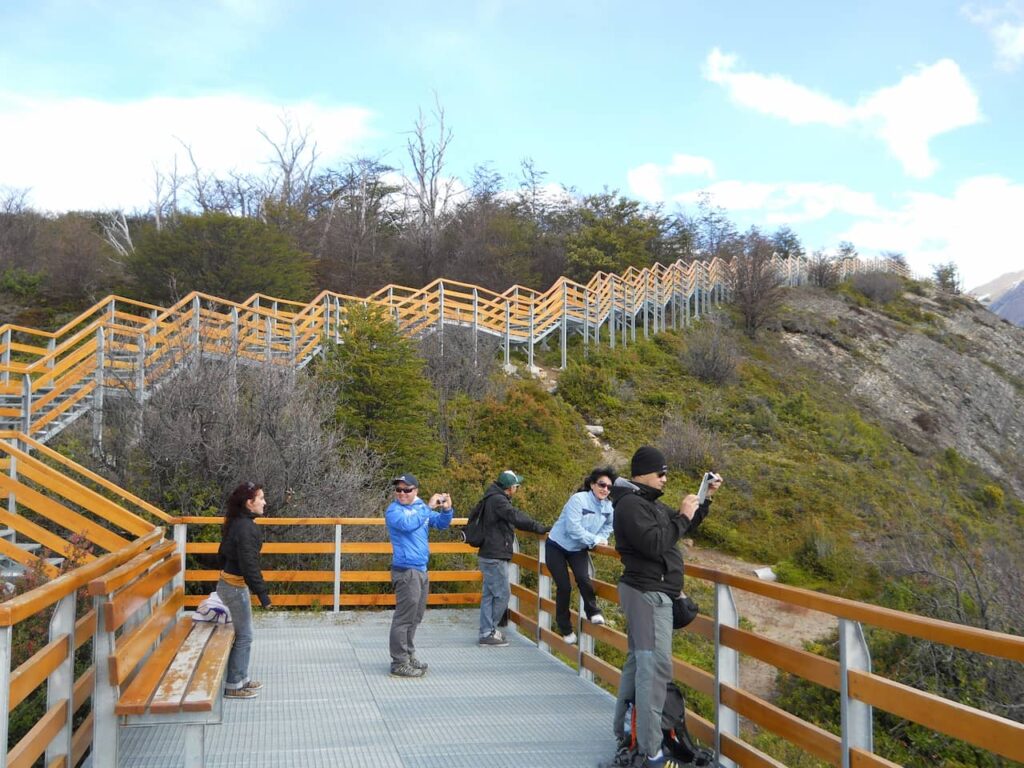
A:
(240, 693)
(405, 670)
(626, 756)
(252, 685)
(495, 639)
(417, 664)
(597, 618)
(570, 638)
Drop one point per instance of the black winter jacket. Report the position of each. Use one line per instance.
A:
(499, 518)
(646, 534)
(239, 555)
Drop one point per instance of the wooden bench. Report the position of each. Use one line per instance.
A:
(154, 666)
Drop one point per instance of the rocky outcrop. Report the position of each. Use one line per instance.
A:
(947, 374)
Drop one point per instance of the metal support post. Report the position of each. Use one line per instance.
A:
(140, 371)
(611, 315)
(565, 323)
(586, 321)
(337, 568)
(508, 334)
(645, 303)
(530, 347)
(476, 327)
(513, 578)
(61, 682)
(195, 325)
(26, 404)
(268, 340)
(104, 721)
(727, 670)
(585, 641)
(855, 716)
(6, 648)
(5, 356)
(97, 397)
(440, 316)
(180, 539)
(543, 593)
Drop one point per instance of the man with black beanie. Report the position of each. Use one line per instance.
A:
(646, 537)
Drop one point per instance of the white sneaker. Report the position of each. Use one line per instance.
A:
(570, 638)
(597, 618)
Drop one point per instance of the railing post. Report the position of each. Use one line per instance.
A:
(565, 323)
(646, 302)
(508, 334)
(513, 578)
(440, 315)
(855, 716)
(530, 348)
(727, 670)
(195, 324)
(6, 647)
(140, 371)
(337, 568)
(234, 332)
(611, 314)
(476, 326)
(51, 347)
(97, 398)
(180, 539)
(26, 404)
(268, 333)
(543, 593)
(326, 334)
(585, 641)
(293, 345)
(61, 682)
(12, 500)
(5, 357)
(104, 721)
(586, 321)
(632, 313)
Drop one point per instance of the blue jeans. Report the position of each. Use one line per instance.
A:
(239, 605)
(494, 594)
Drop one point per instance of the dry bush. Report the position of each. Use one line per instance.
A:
(881, 287)
(822, 270)
(686, 444)
(215, 424)
(710, 354)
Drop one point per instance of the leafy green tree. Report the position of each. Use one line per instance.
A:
(614, 233)
(947, 277)
(221, 254)
(846, 250)
(383, 397)
(787, 243)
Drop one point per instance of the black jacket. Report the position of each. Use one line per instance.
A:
(239, 555)
(646, 534)
(499, 518)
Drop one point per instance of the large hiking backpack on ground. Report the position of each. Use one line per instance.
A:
(473, 533)
(677, 740)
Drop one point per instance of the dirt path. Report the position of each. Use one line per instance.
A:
(784, 623)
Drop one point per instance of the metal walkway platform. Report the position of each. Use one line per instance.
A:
(328, 702)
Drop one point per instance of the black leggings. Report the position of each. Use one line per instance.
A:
(559, 561)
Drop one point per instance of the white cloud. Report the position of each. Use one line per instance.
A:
(787, 203)
(1005, 27)
(88, 154)
(646, 181)
(906, 116)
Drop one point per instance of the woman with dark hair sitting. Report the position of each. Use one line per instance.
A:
(239, 556)
(585, 522)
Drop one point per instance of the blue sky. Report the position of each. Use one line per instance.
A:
(895, 125)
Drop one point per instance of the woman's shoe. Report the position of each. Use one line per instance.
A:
(240, 693)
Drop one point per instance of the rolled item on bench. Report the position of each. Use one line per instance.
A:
(212, 609)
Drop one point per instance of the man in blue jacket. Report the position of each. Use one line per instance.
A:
(408, 519)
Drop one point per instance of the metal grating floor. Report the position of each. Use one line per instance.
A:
(329, 702)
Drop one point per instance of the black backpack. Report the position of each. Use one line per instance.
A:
(473, 533)
(677, 740)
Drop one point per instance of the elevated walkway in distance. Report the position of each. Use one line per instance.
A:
(328, 702)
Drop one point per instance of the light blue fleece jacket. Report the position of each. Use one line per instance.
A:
(407, 529)
(584, 520)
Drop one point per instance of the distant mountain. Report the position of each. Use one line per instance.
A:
(1010, 305)
(1004, 296)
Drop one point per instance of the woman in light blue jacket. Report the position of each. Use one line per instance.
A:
(585, 522)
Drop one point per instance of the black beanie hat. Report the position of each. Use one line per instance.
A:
(647, 459)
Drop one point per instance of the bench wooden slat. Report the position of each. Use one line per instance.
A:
(118, 610)
(136, 696)
(128, 570)
(208, 680)
(133, 648)
(171, 691)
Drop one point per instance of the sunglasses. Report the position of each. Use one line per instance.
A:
(600, 484)
(404, 490)
(663, 474)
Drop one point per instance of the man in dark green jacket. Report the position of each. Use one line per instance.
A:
(499, 518)
(646, 536)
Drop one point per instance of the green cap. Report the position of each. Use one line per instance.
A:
(508, 478)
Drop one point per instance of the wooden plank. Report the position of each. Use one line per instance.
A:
(135, 698)
(34, 743)
(861, 759)
(129, 570)
(39, 534)
(138, 593)
(133, 647)
(30, 603)
(746, 755)
(26, 558)
(992, 732)
(809, 666)
(60, 761)
(85, 628)
(81, 691)
(67, 519)
(807, 736)
(31, 673)
(81, 740)
(208, 680)
(170, 693)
